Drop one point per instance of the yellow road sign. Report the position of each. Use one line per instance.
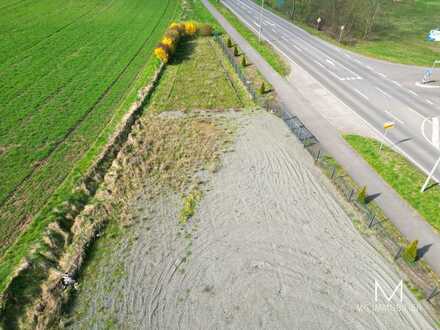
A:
(388, 125)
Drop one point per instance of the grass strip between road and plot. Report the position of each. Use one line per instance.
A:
(266, 51)
(405, 178)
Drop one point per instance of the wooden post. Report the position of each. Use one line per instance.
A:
(318, 155)
(434, 292)
(351, 195)
(333, 172)
(371, 221)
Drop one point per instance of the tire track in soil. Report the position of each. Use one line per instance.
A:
(270, 248)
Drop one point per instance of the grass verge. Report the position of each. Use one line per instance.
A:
(383, 235)
(400, 174)
(266, 51)
(191, 83)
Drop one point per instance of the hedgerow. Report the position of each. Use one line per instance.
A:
(176, 31)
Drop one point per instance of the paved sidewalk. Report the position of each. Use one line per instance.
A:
(407, 220)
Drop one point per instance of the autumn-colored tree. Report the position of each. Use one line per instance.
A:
(190, 28)
(204, 30)
(162, 53)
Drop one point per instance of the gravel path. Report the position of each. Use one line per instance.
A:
(269, 247)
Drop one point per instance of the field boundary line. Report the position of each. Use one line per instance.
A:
(43, 162)
(90, 182)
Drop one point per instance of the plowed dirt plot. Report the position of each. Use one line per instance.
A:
(66, 68)
(269, 247)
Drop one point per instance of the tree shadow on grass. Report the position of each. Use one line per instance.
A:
(184, 50)
(371, 198)
(432, 185)
(422, 251)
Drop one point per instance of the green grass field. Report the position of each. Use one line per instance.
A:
(400, 34)
(400, 174)
(67, 69)
(191, 83)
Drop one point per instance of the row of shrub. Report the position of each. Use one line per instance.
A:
(176, 31)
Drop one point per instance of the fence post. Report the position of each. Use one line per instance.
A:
(333, 172)
(318, 155)
(373, 217)
(351, 195)
(434, 292)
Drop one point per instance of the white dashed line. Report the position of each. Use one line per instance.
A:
(396, 83)
(269, 23)
(383, 92)
(320, 64)
(413, 93)
(381, 74)
(331, 62)
(395, 117)
(361, 94)
(429, 101)
(297, 48)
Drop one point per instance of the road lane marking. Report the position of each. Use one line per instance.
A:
(383, 92)
(298, 48)
(270, 23)
(331, 62)
(361, 94)
(413, 93)
(429, 101)
(396, 83)
(395, 117)
(381, 74)
(358, 115)
(319, 63)
(356, 75)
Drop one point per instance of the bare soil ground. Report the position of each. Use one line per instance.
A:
(269, 247)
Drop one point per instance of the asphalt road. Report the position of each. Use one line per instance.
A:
(377, 91)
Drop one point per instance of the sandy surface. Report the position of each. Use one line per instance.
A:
(269, 248)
